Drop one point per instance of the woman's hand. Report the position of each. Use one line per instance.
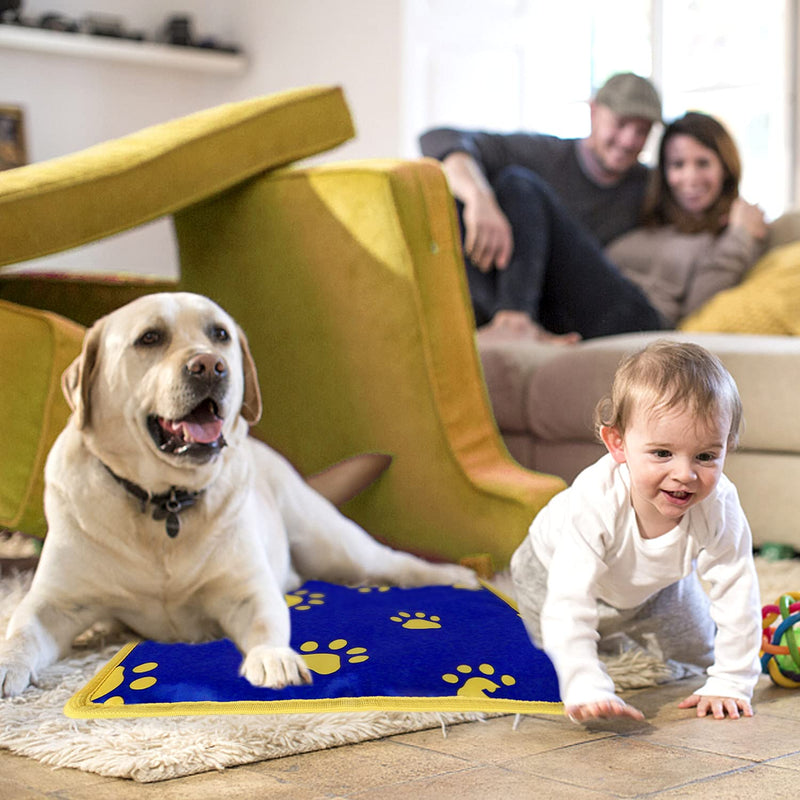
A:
(605, 709)
(718, 706)
(749, 217)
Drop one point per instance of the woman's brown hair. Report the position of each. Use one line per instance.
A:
(660, 206)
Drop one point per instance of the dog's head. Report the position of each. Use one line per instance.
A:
(169, 375)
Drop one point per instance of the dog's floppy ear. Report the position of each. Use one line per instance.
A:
(251, 404)
(76, 380)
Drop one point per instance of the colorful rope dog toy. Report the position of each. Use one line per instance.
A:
(780, 655)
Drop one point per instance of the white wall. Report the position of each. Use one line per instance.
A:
(72, 102)
(352, 43)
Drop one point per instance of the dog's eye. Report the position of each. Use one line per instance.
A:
(150, 338)
(219, 334)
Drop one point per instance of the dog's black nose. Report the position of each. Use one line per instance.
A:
(206, 365)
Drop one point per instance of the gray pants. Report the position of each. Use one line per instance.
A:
(674, 624)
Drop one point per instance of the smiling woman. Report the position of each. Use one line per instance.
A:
(696, 181)
(695, 174)
(698, 236)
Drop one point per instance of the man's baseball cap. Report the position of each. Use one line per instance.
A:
(629, 95)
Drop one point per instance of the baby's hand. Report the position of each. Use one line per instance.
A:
(718, 706)
(605, 709)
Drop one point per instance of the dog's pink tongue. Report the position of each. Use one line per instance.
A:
(202, 426)
(202, 432)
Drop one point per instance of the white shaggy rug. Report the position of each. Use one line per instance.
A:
(154, 749)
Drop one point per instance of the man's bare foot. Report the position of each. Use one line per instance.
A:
(517, 325)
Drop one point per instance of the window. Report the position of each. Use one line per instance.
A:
(532, 65)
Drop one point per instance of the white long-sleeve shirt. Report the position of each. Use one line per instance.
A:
(588, 539)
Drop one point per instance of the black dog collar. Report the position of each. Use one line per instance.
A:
(166, 506)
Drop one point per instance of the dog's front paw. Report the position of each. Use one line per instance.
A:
(422, 573)
(15, 677)
(457, 575)
(275, 667)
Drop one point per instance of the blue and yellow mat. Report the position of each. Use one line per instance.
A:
(437, 648)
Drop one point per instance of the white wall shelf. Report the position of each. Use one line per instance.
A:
(109, 49)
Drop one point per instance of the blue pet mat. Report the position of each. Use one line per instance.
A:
(437, 648)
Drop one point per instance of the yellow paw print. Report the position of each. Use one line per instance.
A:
(419, 621)
(477, 685)
(368, 589)
(117, 677)
(330, 662)
(303, 600)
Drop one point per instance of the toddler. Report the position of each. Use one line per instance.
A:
(620, 551)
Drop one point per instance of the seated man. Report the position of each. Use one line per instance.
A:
(536, 211)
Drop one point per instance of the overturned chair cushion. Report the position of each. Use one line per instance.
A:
(349, 282)
(37, 348)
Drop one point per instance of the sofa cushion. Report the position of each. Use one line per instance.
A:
(563, 392)
(508, 367)
(767, 301)
(785, 229)
(65, 202)
(37, 347)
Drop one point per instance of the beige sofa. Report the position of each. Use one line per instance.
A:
(544, 396)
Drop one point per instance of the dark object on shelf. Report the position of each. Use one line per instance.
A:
(58, 22)
(9, 11)
(111, 26)
(178, 30)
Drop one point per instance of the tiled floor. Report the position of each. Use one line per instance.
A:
(672, 755)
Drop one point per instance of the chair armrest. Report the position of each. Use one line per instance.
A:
(349, 282)
(114, 186)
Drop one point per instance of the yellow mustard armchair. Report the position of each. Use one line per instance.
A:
(347, 279)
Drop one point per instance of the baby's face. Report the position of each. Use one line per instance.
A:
(675, 461)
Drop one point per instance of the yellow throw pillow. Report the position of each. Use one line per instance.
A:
(766, 302)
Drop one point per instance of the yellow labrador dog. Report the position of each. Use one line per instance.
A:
(165, 515)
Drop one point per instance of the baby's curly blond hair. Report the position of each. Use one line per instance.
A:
(667, 375)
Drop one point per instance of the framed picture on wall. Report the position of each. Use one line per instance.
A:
(12, 137)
